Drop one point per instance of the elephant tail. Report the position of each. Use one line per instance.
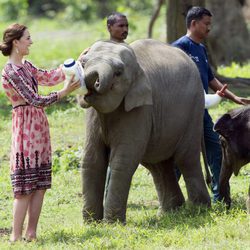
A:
(204, 155)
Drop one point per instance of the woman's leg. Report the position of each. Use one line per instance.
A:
(20, 206)
(34, 210)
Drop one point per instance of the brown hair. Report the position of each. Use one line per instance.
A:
(13, 32)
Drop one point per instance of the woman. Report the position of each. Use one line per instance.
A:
(30, 159)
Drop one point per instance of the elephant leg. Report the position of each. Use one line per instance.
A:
(168, 189)
(94, 170)
(224, 187)
(190, 167)
(123, 164)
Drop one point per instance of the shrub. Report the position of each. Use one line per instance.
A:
(13, 9)
(66, 159)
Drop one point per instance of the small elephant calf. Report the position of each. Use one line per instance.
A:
(234, 130)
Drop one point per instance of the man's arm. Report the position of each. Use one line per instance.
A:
(215, 85)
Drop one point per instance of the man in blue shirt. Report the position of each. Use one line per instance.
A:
(198, 22)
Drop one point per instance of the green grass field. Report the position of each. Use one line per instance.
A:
(61, 225)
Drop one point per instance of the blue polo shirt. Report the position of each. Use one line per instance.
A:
(197, 52)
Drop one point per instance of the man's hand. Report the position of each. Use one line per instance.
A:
(242, 100)
(221, 92)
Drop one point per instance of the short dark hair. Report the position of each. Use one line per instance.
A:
(13, 32)
(111, 19)
(196, 13)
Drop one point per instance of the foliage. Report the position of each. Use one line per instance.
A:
(66, 159)
(46, 8)
(79, 10)
(68, 10)
(13, 9)
(235, 70)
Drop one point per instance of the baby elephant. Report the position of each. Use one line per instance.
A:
(234, 130)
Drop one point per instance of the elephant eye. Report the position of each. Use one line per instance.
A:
(117, 73)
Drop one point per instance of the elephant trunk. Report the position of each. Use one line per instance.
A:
(99, 77)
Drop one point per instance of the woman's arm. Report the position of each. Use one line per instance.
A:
(21, 86)
(27, 92)
(47, 77)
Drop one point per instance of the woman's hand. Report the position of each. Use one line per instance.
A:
(69, 86)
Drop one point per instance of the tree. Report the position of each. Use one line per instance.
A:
(229, 39)
(156, 12)
(229, 36)
(176, 13)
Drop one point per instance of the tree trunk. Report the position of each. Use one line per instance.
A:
(154, 17)
(103, 8)
(229, 36)
(176, 13)
(229, 39)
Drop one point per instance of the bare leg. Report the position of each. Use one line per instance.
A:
(20, 207)
(34, 210)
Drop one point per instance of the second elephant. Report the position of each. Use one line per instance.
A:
(147, 106)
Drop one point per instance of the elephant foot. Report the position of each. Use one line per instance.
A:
(111, 217)
(202, 199)
(113, 220)
(171, 204)
(226, 200)
(91, 216)
(206, 203)
(163, 210)
(225, 196)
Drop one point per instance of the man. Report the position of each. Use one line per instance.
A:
(117, 25)
(198, 22)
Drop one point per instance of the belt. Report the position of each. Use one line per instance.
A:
(26, 104)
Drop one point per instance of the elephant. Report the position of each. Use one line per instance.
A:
(234, 130)
(146, 106)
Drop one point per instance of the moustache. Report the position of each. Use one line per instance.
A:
(124, 33)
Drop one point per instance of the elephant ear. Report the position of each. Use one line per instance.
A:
(140, 92)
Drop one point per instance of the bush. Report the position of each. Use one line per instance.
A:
(66, 159)
(13, 9)
(69, 10)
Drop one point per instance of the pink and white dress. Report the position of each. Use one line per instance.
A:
(30, 158)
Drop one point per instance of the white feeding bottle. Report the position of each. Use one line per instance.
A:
(72, 67)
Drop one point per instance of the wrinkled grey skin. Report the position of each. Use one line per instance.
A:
(234, 130)
(147, 106)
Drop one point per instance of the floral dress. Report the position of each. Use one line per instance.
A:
(30, 157)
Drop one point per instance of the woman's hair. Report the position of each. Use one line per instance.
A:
(13, 32)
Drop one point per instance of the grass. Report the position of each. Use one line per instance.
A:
(61, 225)
(235, 70)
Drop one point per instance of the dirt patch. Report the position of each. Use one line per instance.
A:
(4, 231)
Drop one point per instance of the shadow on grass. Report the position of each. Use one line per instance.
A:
(188, 215)
(89, 232)
(4, 231)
